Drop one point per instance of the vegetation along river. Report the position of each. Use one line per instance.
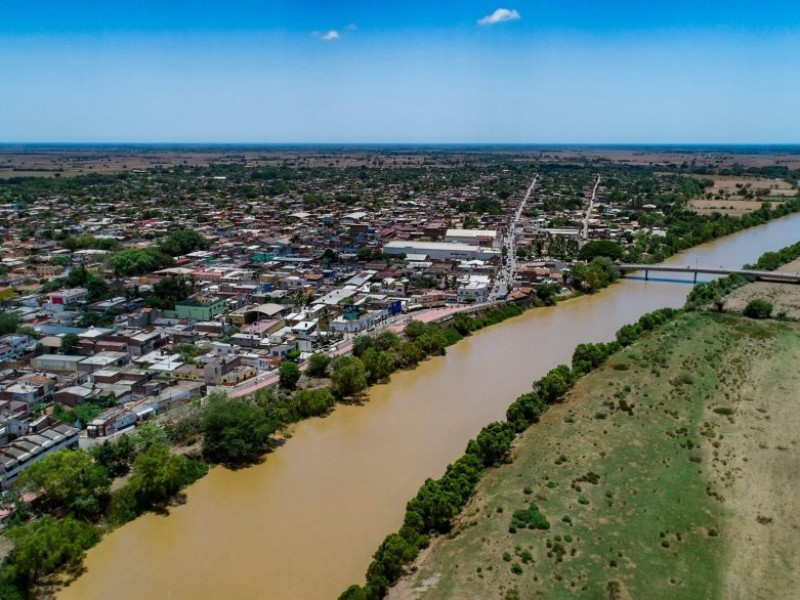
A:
(305, 523)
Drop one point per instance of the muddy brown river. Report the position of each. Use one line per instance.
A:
(304, 524)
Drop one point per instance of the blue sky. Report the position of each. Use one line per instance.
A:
(566, 71)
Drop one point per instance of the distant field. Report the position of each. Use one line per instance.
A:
(671, 472)
(729, 207)
(727, 194)
(69, 161)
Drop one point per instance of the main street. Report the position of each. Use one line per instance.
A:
(504, 281)
(585, 229)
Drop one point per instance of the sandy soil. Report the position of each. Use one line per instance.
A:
(785, 298)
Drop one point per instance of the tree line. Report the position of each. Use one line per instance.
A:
(439, 501)
(74, 502)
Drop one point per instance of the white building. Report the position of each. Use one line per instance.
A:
(473, 237)
(476, 289)
(441, 250)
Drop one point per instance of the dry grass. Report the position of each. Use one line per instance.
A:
(785, 298)
(727, 207)
(697, 490)
(738, 195)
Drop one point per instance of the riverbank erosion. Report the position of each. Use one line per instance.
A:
(670, 471)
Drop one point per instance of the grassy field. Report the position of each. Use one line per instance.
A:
(725, 196)
(671, 472)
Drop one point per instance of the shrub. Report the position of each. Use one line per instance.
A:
(758, 309)
(530, 517)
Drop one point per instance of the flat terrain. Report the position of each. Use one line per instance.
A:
(728, 206)
(68, 161)
(671, 472)
(784, 298)
(740, 195)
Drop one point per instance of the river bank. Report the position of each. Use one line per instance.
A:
(664, 473)
(366, 461)
(433, 510)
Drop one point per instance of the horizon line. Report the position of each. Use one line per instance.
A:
(405, 143)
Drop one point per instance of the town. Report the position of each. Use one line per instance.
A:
(128, 294)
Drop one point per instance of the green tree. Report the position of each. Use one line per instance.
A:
(378, 364)
(311, 403)
(409, 354)
(289, 375)
(597, 248)
(9, 321)
(148, 435)
(168, 291)
(134, 261)
(68, 343)
(387, 340)
(235, 432)
(492, 443)
(414, 329)
(318, 364)
(183, 241)
(157, 475)
(49, 544)
(115, 456)
(349, 376)
(70, 482)
(361, 343)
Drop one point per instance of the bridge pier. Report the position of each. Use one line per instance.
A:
(695, 277)
(647, 275)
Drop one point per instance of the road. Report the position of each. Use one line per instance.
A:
(585, 230)
(504, 280)
(344, 347)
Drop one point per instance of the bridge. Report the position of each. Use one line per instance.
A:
(774, 276)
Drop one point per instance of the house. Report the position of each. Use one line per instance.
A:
(28, 449)
(67, 299)
(203, 309)
(57, 362)
(111, 421)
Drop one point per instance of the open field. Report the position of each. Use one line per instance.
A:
(724, 185)
(784, 298)
(727, 207)
(67, 161)
(670, 472)
(740, 195)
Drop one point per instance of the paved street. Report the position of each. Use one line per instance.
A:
(504, 281)
(585, 229)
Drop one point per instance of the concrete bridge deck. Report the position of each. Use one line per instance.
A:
(774, 276)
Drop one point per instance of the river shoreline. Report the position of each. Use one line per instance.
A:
(404, 382)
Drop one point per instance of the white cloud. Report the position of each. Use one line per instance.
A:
(500, 15)
(327, 36)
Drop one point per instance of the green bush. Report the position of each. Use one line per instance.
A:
(530, 518)
(758, 309)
